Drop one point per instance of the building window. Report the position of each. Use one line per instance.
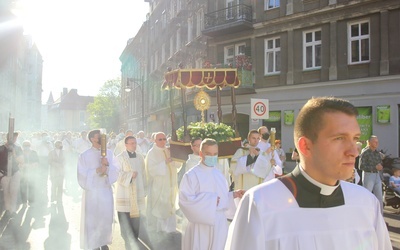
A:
(312, 49)
(199, 22)
(272, 56)
(230, 9)
(271, 4)
(163, 53)
(178, 6)
(178, 40)
(152, 63)
(233, 50)
(229, 53)
(156, 59)
(359, 39)
(240, 49)
(172, 8)
(171, 46)
(190, 29)
(164, 19)
(199, 63)
(82, 117)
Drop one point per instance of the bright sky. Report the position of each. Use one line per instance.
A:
(81, 41)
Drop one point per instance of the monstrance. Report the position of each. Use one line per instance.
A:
(202, 102)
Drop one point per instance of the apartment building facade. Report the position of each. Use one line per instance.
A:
(20, 77)
(287, 52)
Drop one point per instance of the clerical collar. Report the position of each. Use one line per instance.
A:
(308, 192)
(325, 189)
(131, 155)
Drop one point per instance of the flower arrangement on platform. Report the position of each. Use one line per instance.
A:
(217, 131)
(243, 62)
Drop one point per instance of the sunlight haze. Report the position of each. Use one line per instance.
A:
(80, 41)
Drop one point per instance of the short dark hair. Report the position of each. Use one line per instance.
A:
(253, 131)
(311, 116)
(194, 139)
(129, 138)
(93, 133)
(208, 142)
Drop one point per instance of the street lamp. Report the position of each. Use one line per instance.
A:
(128, 88)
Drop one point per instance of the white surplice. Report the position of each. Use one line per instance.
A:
(163, 188)
(269, 217)
(208, 225)
(97, 199)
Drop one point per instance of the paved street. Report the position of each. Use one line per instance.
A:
(60, 230)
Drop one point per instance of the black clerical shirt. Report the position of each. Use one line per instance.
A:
(308, 195)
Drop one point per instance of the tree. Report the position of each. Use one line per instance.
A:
(105, 110)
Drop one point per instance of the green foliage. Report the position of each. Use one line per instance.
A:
(105, 110)
(219, 132)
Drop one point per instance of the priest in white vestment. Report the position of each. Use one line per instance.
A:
(311, 208)
(120, 146)
(204, 198)
(162, 181)
(96, 176)
(131, 191)
(251, 166)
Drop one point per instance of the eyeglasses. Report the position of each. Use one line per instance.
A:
(162, 139)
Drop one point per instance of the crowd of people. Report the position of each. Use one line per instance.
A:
(246, 203)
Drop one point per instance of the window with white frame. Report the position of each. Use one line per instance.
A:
(233, 50)
(359, 42)
(229, 54)
(312, 49)
(164, 19)
(156, 59)
(178, 40)
(231, 9)
(271, 4)
(178, 6)
(163, 53)
(172, 8)
(272, 56)
(152, 63)
(171, 46)
(199, 63)
(240, 49)
(199, 22)
(190, 29)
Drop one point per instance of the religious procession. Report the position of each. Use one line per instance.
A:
(201, 186)
(211, 192)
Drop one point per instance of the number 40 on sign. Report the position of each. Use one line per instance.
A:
(259, 109)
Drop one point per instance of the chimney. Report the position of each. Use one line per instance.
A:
(65, 91)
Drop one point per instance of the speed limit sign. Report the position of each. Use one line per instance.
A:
(259, 109)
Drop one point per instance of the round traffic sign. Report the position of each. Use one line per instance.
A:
(259, 108)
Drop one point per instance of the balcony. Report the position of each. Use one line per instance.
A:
(229, 20)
